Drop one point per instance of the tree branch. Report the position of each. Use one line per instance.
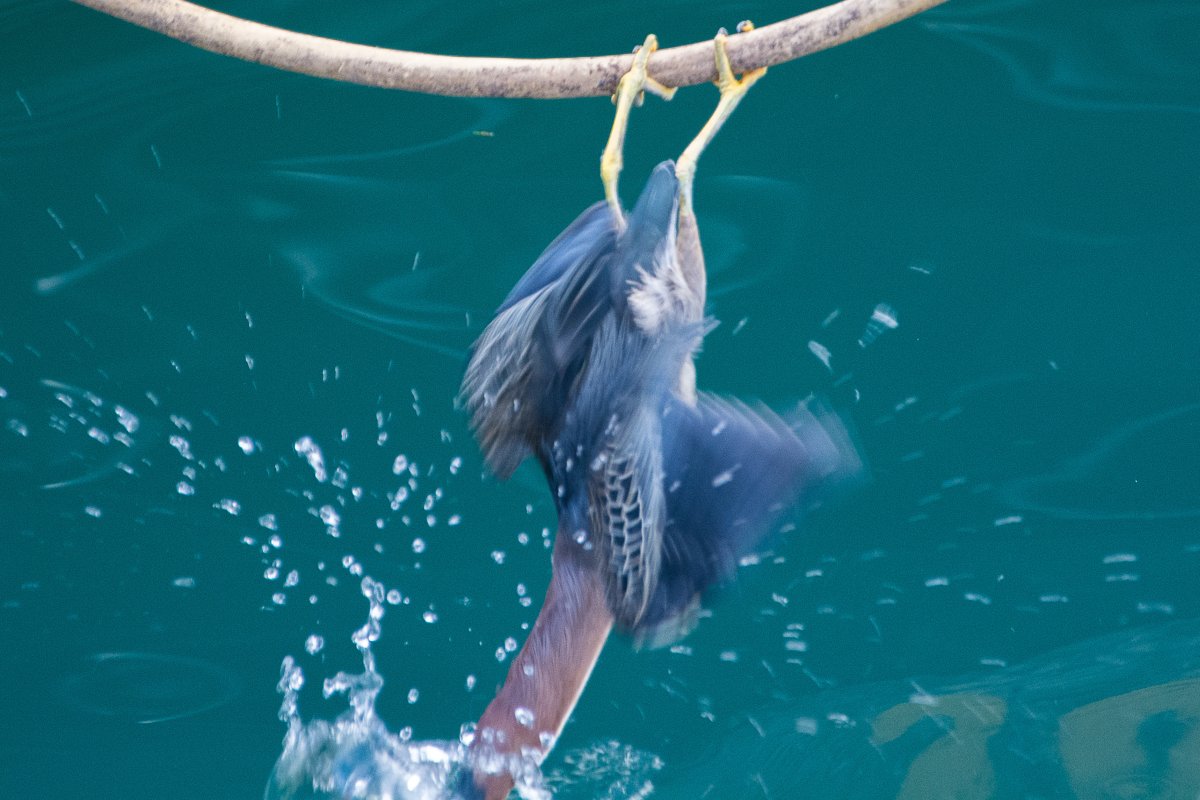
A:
(501, 77)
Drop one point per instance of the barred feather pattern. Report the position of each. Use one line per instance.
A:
(628, 506)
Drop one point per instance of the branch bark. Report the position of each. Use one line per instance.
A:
(501, 77)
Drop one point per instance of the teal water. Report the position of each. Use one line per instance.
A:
(213, 271)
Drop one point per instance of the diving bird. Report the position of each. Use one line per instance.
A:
(588, 367)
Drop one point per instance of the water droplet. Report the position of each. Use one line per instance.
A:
(229, 505)
(725, 477)
(822, 353)
(306, 447)
(524, 716)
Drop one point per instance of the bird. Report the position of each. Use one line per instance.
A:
(588, 367)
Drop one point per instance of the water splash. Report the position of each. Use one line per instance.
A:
(356, 756)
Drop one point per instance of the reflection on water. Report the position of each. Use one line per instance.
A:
(737, 209)
(1116, 716)
(1094, 486)
(149, 687)
(489, 114)
(1117, 57)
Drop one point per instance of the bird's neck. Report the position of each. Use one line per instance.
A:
(548, 675)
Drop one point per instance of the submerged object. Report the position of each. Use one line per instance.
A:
(588, 367)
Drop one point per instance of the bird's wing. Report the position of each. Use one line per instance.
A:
(731, 472)
(628, 512)
(565, 252)
(523, 363)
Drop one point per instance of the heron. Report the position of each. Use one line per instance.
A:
(589, 367)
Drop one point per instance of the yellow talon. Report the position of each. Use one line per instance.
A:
(631, 90)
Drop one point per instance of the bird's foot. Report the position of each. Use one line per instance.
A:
(631, 90)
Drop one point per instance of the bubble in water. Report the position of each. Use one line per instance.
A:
(524, 716)
(314, 644)
(246, 443)
(418, 545)
(413, 695)
(430, 616)
(400, 465)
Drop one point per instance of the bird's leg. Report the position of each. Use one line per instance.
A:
(732, 91)
(687, 243)
(630, 91)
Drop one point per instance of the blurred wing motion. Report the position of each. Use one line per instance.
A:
(732, 472)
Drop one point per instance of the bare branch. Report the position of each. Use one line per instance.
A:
(501, 77)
